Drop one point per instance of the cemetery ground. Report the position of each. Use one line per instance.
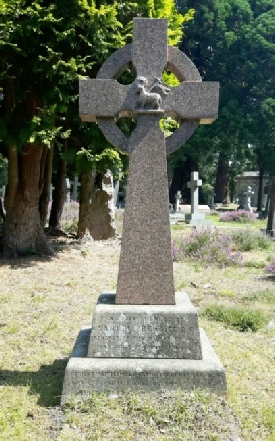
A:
(45, 302)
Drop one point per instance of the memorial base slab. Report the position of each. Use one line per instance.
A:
(86, 373)
(197, 219)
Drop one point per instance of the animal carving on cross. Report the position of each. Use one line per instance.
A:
(148, 98)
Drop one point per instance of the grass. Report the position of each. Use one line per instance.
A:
(265, 296)
(215, 219)
(241, 318)
(165, 415)
(44, 303)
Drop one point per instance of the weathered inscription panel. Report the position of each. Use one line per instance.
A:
(85, 376)
(145, 332)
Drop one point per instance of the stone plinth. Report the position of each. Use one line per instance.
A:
(132, 367)
(197, 219)
(84, 376)
(186, 208)
(145, 331)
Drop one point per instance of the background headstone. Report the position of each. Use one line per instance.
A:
(68, 190)
(247, 199)
(2, 192)
(99, 213)
(195, 217)
(178, 200)
(75, 184)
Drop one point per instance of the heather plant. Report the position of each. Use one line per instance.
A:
(241, 216)
(207, 247)
(70, 217)
(270, 268)
(254, 264)
(241, 318)
(247, 240)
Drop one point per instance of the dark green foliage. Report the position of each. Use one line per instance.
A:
(233, 42)
(44, 48)
(241, 318)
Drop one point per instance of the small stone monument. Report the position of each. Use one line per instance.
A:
(75, 184)
(116, 188)
(247, 199)
(195, 218)
(98, 213)
(176, 216)
(144, 336)
(68, 190)
(177, 201)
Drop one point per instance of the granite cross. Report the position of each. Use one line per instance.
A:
(194, 185)
(146, 267)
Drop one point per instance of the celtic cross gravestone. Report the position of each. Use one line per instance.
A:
(145, 269)
(145, 336)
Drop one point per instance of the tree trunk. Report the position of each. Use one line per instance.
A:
(59, 193)
(13, 178)
(45, 183)
(271, 212)
(96, 207)
(260, 190)
(23, 233)
(181, 175)
(222, 181)
(85, 200)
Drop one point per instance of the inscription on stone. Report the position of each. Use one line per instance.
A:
(140, 376)
(148, 333)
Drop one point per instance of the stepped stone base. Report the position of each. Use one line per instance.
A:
(87, 372)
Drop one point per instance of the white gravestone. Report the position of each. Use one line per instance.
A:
(75, 184)
(195, 218)
(68, 190)
(247, 199)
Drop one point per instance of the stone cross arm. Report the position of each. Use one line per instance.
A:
(106, 98)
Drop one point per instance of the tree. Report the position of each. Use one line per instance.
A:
(44, 47)
(230, 42)
(93, 160)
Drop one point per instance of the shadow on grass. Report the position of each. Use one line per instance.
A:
(46, 382)
(30, 260)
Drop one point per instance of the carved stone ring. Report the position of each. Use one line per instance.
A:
(179, 64)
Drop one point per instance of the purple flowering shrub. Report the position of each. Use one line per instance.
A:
(70, 211)
(271, 267)
(241, 216)
(247, 239)
(70, 216)
(207, 247)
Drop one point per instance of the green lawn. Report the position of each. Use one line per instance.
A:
(44, 303)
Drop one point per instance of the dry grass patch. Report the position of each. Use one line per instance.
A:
(44, 303)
